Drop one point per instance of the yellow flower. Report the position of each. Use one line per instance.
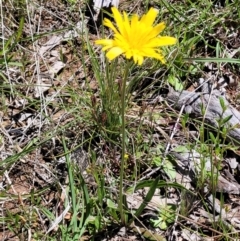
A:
(135, 38)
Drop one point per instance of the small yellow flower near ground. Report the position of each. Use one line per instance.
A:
(135, 38)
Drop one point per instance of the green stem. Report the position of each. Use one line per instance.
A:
(123, 105)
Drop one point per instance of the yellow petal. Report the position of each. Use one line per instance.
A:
(138, 59)
(134, 27)
(161, 58)
(114, 52)
(150, 17)
(156, 30)
(106, 48)
(153, 54)
(126, 28)
(119, 40)
(118, 19)
(165, 40)
(134, 21)
(109, 24)
(161, 41)
(104, 42)
(128, 54)
(153, 32)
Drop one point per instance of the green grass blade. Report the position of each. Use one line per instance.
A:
(72, 187)
(146, 200)
(215, 60)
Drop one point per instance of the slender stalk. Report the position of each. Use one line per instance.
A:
(123, 105)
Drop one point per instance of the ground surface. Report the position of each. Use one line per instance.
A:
(59, 137)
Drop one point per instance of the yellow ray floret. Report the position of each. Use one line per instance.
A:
(135, 38)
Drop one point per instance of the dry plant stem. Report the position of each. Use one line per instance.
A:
(123, 105)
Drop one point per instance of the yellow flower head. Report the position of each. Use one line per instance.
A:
(135, 38)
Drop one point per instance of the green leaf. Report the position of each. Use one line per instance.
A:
(166, 217)
(184, 120)
(20, 29)
(169, 169)
(181, 149)
(193, 69)
(222, 103)
(158, 222)
(5, 49)
(112, 208)
(175, 83)
(226, 119)
(97, 223)
(213, 139)
(15, 64)
(168, 213)
(157, 160)
(147, 199)
(163, 225)
(111, 204)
